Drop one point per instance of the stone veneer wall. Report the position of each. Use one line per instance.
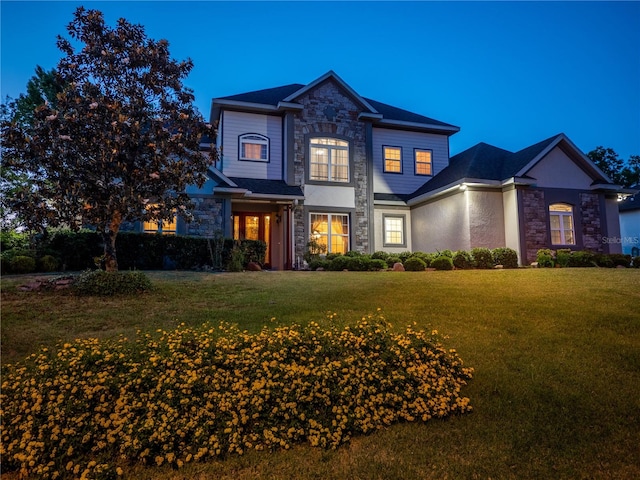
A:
(591, 223)
(207, 217)
(327, 110)
(535, 223)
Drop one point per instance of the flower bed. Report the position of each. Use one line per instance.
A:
(92, 406)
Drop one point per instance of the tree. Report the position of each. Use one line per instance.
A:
(122, 143)
(620, 172)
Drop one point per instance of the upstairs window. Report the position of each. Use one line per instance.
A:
(392, 159)
(329, 160)
(561, 224)
(254, 147)
(423, 162)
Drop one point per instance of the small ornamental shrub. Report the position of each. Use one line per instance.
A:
(582, 258)
(462, 260)
(404, 255)
(317, 263)
(392, 260)
(482, 257)
(545, 258)
(414, 264)
(380, 255)
(376, 264)
(197, 394)
(425, 257)
(22, 264)
(636, 262)
(99, 282)
(442, 263)
(236, 260)
(340, 263)
(507, 257)
(563, 257)
(356, 263)
(48, 263)
(331, 256)
(445, 253)
(620, 259)
(604, 260)
(353, 253)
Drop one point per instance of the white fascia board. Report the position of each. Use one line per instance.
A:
(518, 181)
(268, 196)
(394, 203)
(262, 107)
(458, 185)
(423, 126)
(289, 106)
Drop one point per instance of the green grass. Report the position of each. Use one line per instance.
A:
(556, 353)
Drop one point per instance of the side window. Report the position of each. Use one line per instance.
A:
(330, 230)
(392, 159)
(561, 224)
(394, 231)
(423, 162)
(253, 147)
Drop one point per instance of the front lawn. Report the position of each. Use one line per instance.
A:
(556, 354)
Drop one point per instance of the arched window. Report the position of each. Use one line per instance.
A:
(253, 147)
(329, 160)
(561, 224)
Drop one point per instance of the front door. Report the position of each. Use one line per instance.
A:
(253, 226)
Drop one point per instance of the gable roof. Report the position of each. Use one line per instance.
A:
(492, 166)
(278, 99)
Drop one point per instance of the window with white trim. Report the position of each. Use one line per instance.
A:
(329, 160)
(165, 227)
(423, 162)
(394, 230)
(253, 147)
(330, 230)
(561, 224)
(392, 159)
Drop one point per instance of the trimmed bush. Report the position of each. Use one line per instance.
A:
(414, 264)
(636, 262)
(442, 263)
(505, 256)
(376, 264)
(604, 260)
(544, 258)
(317, 263)
(392, 260)
(445, 253)
(380, 255)
(48, 263)
(482, 257)
(462, 260)
(99, 282)
(22, 264)
(563, 257)
(620, 259)
(582, 258)
(339, 263)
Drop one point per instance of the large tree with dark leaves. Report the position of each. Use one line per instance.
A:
(620, 172)
(122, 143)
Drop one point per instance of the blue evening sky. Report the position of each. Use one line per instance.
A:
(508, 73)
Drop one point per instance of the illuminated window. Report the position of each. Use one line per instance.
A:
(254, 147)
(166, 227)
(330, 230)
(329, 160)
(394, 231)
(423, 162)
(561, 223)
(392, 159)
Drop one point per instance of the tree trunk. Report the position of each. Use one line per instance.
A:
(109, 238)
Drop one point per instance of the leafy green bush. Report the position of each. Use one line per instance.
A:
(604, 260)
(215, 390)
(392, 260)
(563, 257)
(427, 258)
(236, 260)
(442, 263)
(317, 263)
(404, 255)
(544, 258)
(22, 264)
(636, 262)
(445, 253)
(482, 257)
(414, 264)
(339, 263)
(376, 264)
(620, 259)
(380, 255)
(505, 256)
(48, 263)
(462, 260)
(582, 258)
(99, 282)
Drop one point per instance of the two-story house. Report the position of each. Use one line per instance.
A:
(319, 162)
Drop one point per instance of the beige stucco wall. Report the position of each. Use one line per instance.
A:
(441, 224)
(511, 221)
(556, 170)
(486, 218)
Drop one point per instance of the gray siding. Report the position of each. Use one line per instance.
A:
(408, 181)
(239, 123)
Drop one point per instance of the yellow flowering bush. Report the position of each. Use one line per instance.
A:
(89, 407)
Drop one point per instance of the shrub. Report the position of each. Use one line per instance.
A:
(99, 282)
(482, 257)
(214, 390)
(376, 264)
(603, 260)
(404, 255)
(545, 258)
(339, 263)
(582, 258)
(425, 257)
(462, 260)
(393, 259)
(22, 264)
(442, 263)
(620, 259)
(48, 263)
(563, 257)
(505, 256)
(356, 263)
(414, 264)
(353, 253)
(331, 256)
(445, 253)
(236, 260)
(317, 263)
(636, 262)
(380, 255)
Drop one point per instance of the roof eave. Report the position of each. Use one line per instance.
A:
(461, 185)
(426, 127)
